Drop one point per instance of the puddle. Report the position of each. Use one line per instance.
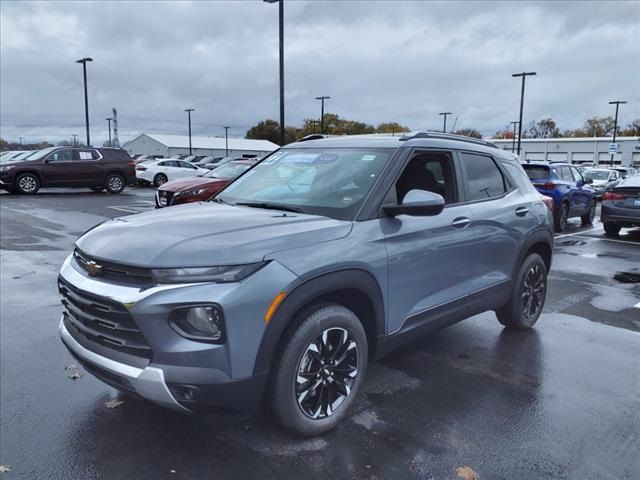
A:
(572, 243)
(627, 277)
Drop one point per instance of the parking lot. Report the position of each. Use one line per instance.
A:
(561, 401)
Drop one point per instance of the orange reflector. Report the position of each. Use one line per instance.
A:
(273, 307)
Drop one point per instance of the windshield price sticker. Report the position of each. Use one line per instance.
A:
(300, 158)
(85, 155)
(368, 158)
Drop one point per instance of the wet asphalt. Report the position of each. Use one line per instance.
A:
(561, 401)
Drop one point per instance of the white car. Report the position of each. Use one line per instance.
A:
(162, 171)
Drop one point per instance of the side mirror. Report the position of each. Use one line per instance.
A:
(419, 203)
(46, 160)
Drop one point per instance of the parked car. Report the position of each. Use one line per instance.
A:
(206, 161)
(223, 161)
(621, 206)
(325, 255)
(145, 158)
(197, 189)
(625, 171)
(602, 180)
(98, 168)
(194, 158)
(571, 193)
(161, 171)
(8, 155)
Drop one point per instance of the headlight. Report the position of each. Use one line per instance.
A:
(223, 274)
(190, 193)
(203, 323)
(7, 168)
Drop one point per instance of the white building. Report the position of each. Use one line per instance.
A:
(174, 145)
(577, 150)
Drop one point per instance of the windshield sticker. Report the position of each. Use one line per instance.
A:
(300, 158)
(368, 158)
(274, 158)
(326, 158)
(85, 155)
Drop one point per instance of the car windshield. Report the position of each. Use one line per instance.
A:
(537, 172)
(332, 182)
(230, 170)
(633, 181)
(597, 174)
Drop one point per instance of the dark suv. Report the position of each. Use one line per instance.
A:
(325, 255)
(107, 169)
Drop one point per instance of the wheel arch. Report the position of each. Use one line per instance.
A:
(540, 242)
(352, 288)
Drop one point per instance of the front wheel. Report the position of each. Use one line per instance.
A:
(27, 184)
(320, 371)
(159, 179)
(587, 218)
(525, 305)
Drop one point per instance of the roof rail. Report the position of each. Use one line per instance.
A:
(313, 136)
(447, 136)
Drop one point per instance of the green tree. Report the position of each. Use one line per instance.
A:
(545, 128)
(468, 132)
(265, 130)
(391, 127)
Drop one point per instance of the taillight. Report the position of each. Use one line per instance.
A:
(545, 186)
(131, 163)
(141, 169)
(548, 201)
(612, 196)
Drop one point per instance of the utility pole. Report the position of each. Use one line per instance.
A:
(617, 103)
(84, 61)
(281, 39)
(226, 141)
(189, 110)
(20, 138)
(444, 125)
(322, 99)
(75, 139)
(523, 75)
(513, 143)
(108, 119)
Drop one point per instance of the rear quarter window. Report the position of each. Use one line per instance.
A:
(519, 177)
(117, 155)
(536, 172)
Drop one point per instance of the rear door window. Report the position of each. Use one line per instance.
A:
(483, 178)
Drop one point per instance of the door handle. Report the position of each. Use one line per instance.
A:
(522, 211)
(460, 222)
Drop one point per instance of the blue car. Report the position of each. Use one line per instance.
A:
(571, 193)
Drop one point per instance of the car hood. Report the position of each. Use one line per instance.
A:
(206, 234)
(192, 182)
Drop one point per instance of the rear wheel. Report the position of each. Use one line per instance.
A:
(159, 179)
(561, 216)
(587, 218)
(523, 309)
(114, 183)
(611, 229)
(27, 183)
(320, 371)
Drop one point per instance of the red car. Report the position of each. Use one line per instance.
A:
(198, 189)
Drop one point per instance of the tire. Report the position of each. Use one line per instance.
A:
(560, 217)
(159, 179)
(587, 218)
(523, 309)
(322, 333)
(27, 184)
(611, 229)
(114, 183)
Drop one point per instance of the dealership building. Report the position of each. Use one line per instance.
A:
(577, 150)
(173, 145)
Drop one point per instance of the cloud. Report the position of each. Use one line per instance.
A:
(379, 61)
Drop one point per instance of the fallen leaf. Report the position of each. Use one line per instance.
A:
(467, 473)
(75, 376)
(73, 366)
(4, 468)
(113, 403)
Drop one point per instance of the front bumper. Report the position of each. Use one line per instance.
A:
(147, 382)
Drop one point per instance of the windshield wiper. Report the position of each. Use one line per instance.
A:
(270, 206)
(219, 200)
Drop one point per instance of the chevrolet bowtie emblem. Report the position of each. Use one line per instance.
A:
(93, 268)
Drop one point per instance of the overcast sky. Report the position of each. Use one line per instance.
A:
(379, 61)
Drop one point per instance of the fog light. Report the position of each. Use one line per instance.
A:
(199, 323)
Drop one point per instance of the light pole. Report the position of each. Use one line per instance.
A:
(513, 143)
(322, 99)
(281, 35)
(108, 119)
(189, 110)
(523, 75)
(226, 141)
(84, 61)
(20, 138)
(617, 103)
(444, 125)
(75, 139)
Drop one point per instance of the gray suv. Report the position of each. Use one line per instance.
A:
(325, 255)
